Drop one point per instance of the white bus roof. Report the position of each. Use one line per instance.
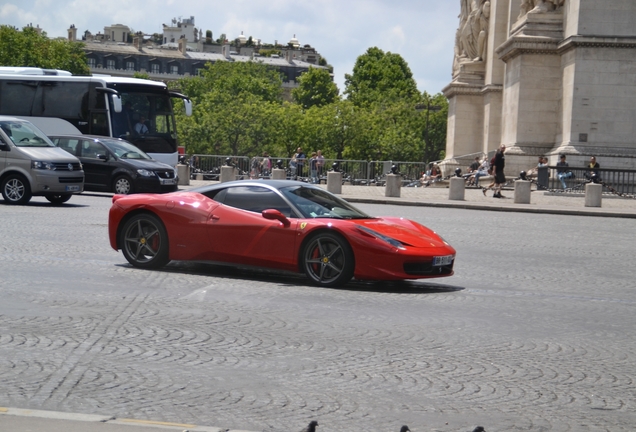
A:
(32, 71)
(55, 74)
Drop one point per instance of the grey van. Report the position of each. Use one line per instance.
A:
(31, 165)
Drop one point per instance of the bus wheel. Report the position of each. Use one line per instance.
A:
(123, 185)
(16, 189)
(59, 198)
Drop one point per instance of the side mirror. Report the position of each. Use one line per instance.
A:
(273, 214)
(116, 103)
(188, 107)
(103, 157)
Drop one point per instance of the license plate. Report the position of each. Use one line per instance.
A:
(168, 181)
(443, 260)
(72, 188)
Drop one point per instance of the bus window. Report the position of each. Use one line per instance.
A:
(17, 97)
(62, 99)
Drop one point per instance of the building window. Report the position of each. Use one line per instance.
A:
(130, 65)
(174, 69)
(91, 62)
(110, 64)
(155, 68)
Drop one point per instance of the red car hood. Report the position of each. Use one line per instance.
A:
(405, 231)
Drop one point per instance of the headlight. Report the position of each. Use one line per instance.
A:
(42, 165)
(145, 173)
(393, 242)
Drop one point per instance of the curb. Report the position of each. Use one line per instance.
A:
(105, 419)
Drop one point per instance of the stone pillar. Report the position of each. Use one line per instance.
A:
(393, 185)
(522, 191)
(456, 189)
(278, 174)
(593, 193)
(334, 182)
(183, 172)
(228, 173)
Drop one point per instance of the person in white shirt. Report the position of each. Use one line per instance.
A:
(141, 127)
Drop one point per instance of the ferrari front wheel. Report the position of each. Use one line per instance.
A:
(327, 260)
(144, 241)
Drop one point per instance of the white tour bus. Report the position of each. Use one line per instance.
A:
(94, 105)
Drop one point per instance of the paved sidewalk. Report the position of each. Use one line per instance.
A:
(23, 420)
(437, 196)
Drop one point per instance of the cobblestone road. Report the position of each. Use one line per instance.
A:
(534, 332)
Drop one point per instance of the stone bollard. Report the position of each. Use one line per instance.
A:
(183, 172)
(334, 182)
(456, 189)
(278, 174)
(393, 185)
(228, 173)
(199, 176)
(522, 191)
(593, 193)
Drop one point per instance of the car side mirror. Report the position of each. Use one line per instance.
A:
(273, 214)
(103, 157)
(4, 146)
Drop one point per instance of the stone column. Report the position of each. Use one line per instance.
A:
(278, 174)
(457, 189)
(334, 182)
(593, 194)
(522, 191)
(183, 172)
(228, 173)
(393, 185)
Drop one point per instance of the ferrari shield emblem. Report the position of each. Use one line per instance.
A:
(303, 225)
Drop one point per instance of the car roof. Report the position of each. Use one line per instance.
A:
(11, 118)
(274, 184)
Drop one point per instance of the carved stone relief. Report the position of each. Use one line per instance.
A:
(472, 35)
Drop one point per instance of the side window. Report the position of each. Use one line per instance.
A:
(70, 145)
(254, 199)
(91, 149)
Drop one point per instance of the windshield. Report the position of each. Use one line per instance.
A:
(314, 202)
(144, 114)
(124, 150)
(24, 134)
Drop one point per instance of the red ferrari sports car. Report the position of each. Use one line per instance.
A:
(276, 224)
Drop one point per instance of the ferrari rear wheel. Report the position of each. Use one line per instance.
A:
(327, 260)
(144, 241)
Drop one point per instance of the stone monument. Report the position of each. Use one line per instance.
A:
(544, 77)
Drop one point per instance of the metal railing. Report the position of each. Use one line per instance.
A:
(373, 173)
(619, 181)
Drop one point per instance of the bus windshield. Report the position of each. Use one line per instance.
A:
(147, 121)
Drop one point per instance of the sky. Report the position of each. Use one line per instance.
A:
(421, 31)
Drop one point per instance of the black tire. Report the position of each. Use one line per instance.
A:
(16, 189)
(59, 198)
(144, 241)
(327, 260)
(123, 185)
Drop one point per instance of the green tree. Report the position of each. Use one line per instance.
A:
(234, 108)
(28, 48)
(315, 88)
(380, 77)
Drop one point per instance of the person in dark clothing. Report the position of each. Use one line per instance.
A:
(563, 170)
(500, 177)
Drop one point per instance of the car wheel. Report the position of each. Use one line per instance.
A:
(59, 198)
(327, 260)
(123, 185)
(144, 241)
(16, 189)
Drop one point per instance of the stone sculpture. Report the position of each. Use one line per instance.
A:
(539, 6)
(472, 34)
